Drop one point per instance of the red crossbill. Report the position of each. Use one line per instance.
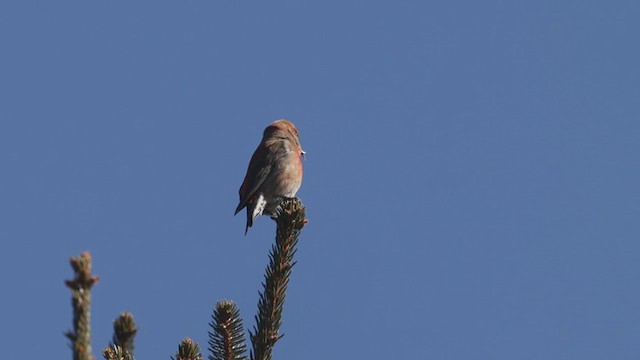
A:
(274, 173)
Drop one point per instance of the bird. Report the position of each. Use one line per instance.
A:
(274, 172)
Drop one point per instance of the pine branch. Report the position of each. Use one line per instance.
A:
(226, 341)
(115, 352)
(290, 220)
(188, 350)
(124, 331)
(80, 287)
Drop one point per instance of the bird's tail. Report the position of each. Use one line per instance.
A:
(249, 222)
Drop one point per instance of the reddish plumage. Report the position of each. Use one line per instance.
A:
(274, 173)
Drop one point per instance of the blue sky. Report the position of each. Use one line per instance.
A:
(471, 179)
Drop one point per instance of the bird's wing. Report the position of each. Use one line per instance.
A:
(259, 169)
